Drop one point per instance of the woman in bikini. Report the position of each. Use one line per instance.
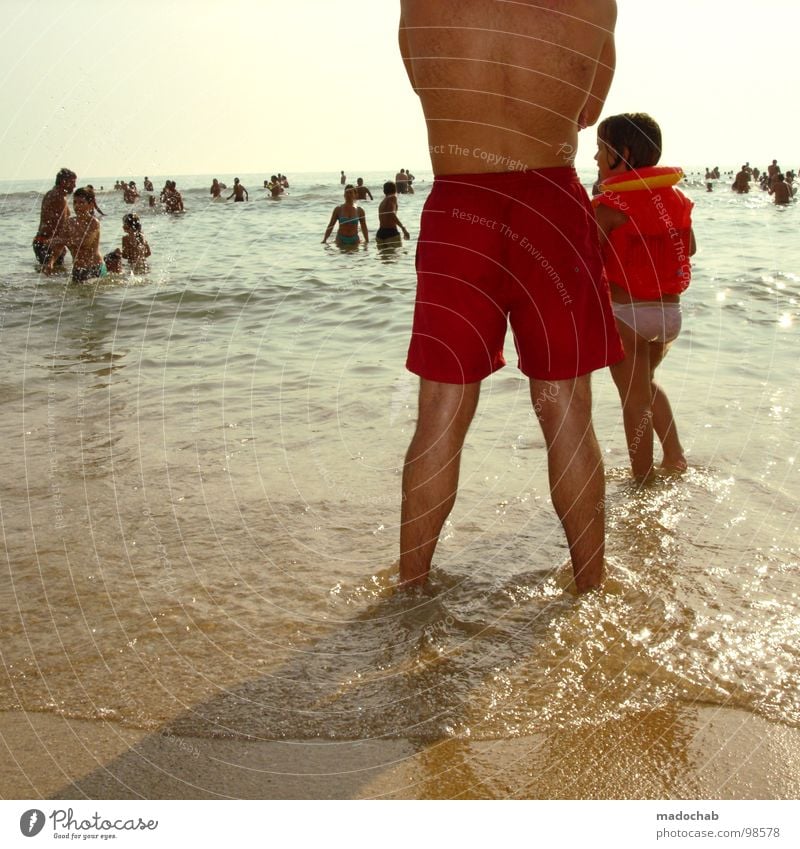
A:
(349, 216)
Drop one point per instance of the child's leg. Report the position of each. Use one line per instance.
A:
(663, 421)
(633, 379)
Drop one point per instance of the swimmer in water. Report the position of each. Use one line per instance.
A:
(134, 246)
(239, 192)
(113, 261)
(388, 234)
(82, 238)
(173, 200)
(130, 193)
(54, 217)
(362, 191)
(780, 189)
(349, 217)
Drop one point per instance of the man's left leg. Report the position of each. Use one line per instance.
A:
(575, 466)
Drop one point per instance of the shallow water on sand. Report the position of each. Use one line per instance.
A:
(201, 494)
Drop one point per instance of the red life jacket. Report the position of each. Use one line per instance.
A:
(649, 254)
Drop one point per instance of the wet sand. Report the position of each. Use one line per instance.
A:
(686, 752)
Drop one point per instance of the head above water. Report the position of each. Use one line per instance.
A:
(132, 220)
(83, 195)
(113, 261)
(65, 176)
(389, 188)
(633, 137)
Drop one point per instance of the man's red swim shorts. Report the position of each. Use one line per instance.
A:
(513, 246)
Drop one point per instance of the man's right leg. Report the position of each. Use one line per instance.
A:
(430, 473)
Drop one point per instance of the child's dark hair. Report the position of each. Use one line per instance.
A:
(132, 220)
(389, 188)
(636, 131)
(113, 261)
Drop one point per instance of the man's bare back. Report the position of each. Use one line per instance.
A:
(781, 190)
(55, 214)
(505, 85)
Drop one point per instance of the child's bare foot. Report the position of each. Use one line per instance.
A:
(677, 463)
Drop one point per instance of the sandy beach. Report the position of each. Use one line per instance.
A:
(685, 753)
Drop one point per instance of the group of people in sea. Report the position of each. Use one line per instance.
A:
(351, 218)
(276, 186)
(79, 234)
(169, 196)
(772, 180)
(403, 180)
(59, 233)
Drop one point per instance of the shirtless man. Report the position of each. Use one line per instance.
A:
(239, 192)
(216, 189)
(741, 182)
(82, 236)
(54, 217)
(508, 231)
(400, 179)
(130, 193)
(781, 189)
(388, 222)
(362, 191)
(172, 198)
(773, 170)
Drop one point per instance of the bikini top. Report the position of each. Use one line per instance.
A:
(343, 219)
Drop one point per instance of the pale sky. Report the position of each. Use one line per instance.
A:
(170, 87)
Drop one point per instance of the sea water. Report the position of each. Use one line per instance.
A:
(201, 489)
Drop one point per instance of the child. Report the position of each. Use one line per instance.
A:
(82, 237)
(647, 239)
(113, 261)
(134, 247)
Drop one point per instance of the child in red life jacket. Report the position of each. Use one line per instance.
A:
(646, 236)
